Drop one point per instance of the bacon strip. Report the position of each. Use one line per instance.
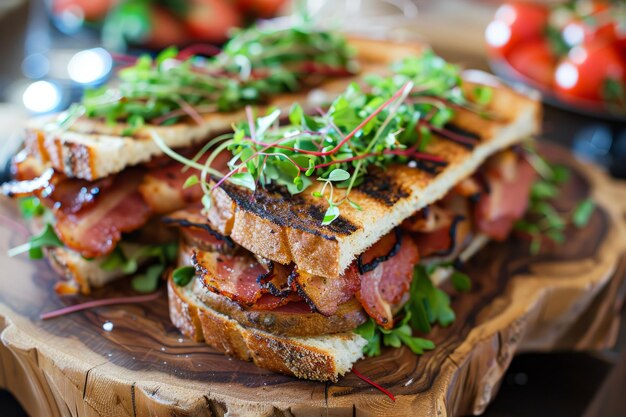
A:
(325, 295)
(388, 282)
(449, 232)
(234, 276)
(74, 195)
(243, 279)
(197, 232)
(91, 216)
(509, 186)
(162, 186)
(162, 189)
(95, 230)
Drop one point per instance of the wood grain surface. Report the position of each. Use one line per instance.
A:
(567, 297)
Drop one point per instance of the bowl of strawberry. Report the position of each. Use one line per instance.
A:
(574, 52)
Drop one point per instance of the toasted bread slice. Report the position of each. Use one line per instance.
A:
(321, 358)
(288, 228)
(80, 274)
(92, 149)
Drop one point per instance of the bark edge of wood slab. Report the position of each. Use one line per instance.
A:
(568, 297)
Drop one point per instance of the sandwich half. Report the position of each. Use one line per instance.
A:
(313, 192)
(325, 228)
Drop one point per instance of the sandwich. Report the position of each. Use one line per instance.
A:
(329, 233)
(308, 198)
(94, 184)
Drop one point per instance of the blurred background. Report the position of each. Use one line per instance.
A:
(574, 52)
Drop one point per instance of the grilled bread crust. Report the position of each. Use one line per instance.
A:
(321, 358)
(77, 273)
(91, 149)
(287, 228)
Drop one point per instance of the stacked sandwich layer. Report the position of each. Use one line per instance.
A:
(270, 274)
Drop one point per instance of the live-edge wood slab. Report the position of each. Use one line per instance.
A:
(567, 297)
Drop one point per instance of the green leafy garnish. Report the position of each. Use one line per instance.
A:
(191, 181)
(46, 239)
(461, 281)
(428, 305)
(31, 207)
(253, 65)
(183, 275)
(117, 261)
(400, 335)
(543, 219)
(160, 255)
(387, 121)
(483, 94)
(148, 281)
(582, 213)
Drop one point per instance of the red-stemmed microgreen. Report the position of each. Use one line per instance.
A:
(544, 220)
(101, 303)
(374, 384)
(254, 65)
(389, 120)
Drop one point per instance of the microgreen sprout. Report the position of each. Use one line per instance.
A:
(255, 64)
(390, 119)
(427, 306)
(544, 220)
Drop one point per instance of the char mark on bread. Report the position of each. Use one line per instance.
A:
(459, 135)
(382, 187)
(277, 205)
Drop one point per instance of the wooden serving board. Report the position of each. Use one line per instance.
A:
(567, 297)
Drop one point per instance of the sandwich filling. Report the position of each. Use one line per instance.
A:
(487, 203)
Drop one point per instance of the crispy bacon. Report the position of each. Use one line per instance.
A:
(74, 195)
(95, 229)
(272, 302)
(324, 295)
(91, 216)
(388, 282)
(162, 186)
(163, 190)
(428, 219)
(243, 279)
(197, 232)
(276, 280)
(234, 276)
(468, 187)
(437, 241)
(509, 183)
(385, 248)
(449, 232)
